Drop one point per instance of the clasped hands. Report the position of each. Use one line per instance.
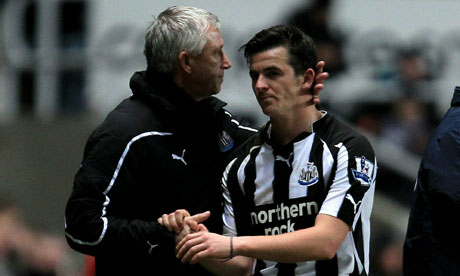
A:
(193, 240)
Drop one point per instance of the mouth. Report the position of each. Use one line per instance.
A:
(264, 97)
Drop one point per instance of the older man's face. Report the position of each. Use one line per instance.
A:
(208, 68)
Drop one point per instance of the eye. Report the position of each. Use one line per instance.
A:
(272, 74)
(253, 75)
(220, 53)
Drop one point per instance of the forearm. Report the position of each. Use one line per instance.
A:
(315, 243)
(119, 234)
(287, 248)
(239, 265)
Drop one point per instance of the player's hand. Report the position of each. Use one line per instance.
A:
(197, 246)
(190, 226)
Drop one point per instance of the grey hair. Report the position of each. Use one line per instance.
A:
(176, 29)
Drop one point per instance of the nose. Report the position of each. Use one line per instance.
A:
(260, 84)
(226, 64)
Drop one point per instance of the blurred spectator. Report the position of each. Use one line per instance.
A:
(410, 122)
(407, 126)
(407, 118)
(25, 252)
(40, 254)
(413, 70)
(314, 21)
(9, 222)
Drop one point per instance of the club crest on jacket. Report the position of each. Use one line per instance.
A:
(225, 141)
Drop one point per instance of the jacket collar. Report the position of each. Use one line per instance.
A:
(161, 88)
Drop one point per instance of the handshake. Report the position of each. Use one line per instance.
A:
(193, 240)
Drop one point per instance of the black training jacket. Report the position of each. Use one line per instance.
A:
(156, 152)
(431, 246)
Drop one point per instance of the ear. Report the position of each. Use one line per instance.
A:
(308, 79)
(184, 59)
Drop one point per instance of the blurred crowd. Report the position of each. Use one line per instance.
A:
(406, 115)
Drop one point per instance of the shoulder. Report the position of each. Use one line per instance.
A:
(337, 134)
(444, 146)
(449, 128)
(233, 126)
(244, 149)
(241, 152)
(126, 121)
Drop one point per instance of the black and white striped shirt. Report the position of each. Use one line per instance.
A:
(271, 189)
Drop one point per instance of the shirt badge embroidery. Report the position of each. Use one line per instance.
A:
(364, 170)
(225, 142)
(308, 175)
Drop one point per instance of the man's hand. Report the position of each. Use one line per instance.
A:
(180, 219)
(174, 221)
(191, 226)
(319, 81)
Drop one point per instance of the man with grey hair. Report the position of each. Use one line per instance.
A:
(164, 148)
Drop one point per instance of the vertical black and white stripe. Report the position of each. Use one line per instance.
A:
(272, 189)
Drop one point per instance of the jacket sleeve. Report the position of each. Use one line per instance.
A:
(90, 227)
(439, 182)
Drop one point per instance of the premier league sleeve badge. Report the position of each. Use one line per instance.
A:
(364, 170)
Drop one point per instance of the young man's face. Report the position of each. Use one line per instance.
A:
(277, 88)
(208, 68)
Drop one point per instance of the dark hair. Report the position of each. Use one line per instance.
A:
(301, 48)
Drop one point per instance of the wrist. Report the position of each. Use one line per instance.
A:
(231, 253)
(239, 246)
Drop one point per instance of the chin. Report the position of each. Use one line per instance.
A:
(267, 111)
(217, 90)
(266, 108)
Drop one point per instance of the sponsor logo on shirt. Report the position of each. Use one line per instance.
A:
(364, 170)
(284, 217)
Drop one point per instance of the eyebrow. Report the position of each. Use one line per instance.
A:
(266, 69)
(276, 68)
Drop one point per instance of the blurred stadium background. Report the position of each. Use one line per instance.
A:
(64, 64)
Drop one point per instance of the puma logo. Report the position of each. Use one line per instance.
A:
(281, 158)
(152, 246)
(351, 199)
(181, 158)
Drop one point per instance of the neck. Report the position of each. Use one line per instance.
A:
(286, 128)
(187, 86)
